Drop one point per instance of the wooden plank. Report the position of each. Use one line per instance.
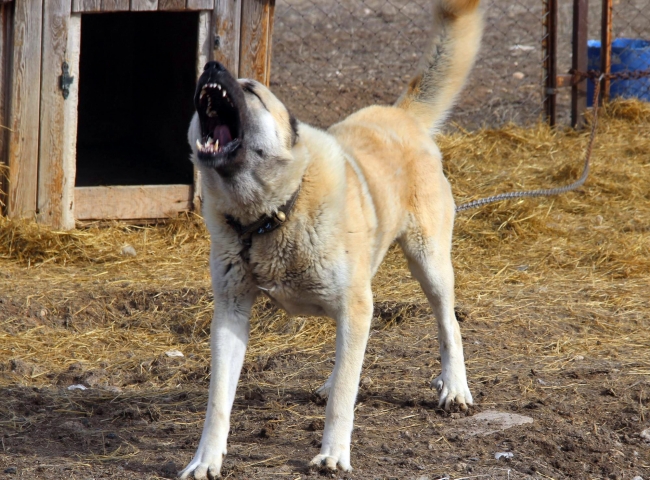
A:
(86, 5)
(144, 5)
(254, 39)
(200, 4)
(269, 48)
(171, 4)
(579, 61)
(131, 202)
(227, 15)
(203, 54)
(6, 25)
(58, 135)
(115, 5)
(25, 108)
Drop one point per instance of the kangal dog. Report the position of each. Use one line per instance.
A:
(306, 216)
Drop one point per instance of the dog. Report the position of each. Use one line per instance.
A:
(305, 216)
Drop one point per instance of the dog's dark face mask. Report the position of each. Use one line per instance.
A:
(243, 126)
(223, 115)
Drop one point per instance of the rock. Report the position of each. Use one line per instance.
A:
(488, 422)
(518, 76)
(506, 455)
(645, 434)
(13, 470)
(77, 387)
(174, 353)
(128, 251)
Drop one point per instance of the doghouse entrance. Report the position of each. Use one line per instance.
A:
(137, 73)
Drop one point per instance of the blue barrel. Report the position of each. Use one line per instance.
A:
(628, 54)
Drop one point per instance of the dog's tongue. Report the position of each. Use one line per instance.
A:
(222, 133)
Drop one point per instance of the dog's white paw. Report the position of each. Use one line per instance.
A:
(204, 466)
(452, 389)
(333, 459)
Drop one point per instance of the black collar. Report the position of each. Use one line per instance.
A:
(264, 224)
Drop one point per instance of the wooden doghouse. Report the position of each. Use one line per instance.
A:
(96, 98)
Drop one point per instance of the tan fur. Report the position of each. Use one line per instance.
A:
(370, 180)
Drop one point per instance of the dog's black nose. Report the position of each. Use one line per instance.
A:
(214, 66)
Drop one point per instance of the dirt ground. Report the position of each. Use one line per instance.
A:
(552, 298)
(331, 58)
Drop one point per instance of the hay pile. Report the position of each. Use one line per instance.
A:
(568, 267)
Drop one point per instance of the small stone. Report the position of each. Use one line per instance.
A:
(578, 358)
(128, 250)
(518, 76)
(645, 434)
(366, 381)
(638, 477)
(174, 353)
(77, 387)
(13, 470)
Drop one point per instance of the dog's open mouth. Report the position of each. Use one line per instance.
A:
(220, 123)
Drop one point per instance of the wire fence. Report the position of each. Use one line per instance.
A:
(332, 57)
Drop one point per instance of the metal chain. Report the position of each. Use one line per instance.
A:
(547, 192)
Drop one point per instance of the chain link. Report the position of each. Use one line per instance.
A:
(547, 192)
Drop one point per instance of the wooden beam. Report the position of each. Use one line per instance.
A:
(144, 5)
(171, 4)
(579, 61)
(115, 5)
(269, 48)
(227, 15)
(86, 5)
(200, 4)
(132, 202)
(25, 108)
(203, 55)
(58, 132)
(254, 40)
(6, 27)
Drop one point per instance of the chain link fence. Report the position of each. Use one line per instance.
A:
(332, 57)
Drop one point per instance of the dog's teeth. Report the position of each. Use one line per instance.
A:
(218, 86)
(198, 145)
(216, 144)
(210, 141)
(223, 94)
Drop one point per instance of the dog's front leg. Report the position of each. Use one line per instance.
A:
(352, 328)
(228, 340)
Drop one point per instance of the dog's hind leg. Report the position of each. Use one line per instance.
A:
(429, 259)
(352, 329)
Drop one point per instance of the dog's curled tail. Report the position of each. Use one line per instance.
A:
(457, 30)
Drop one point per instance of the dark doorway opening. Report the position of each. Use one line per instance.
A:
(137, 75)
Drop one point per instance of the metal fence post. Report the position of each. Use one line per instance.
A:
(579, 61)
(606, 49)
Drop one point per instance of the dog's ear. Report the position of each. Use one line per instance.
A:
(294, 129)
